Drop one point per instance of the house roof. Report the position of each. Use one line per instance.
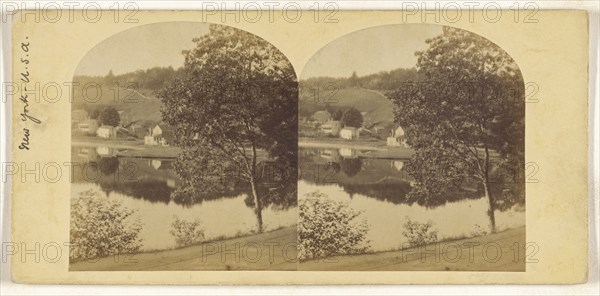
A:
(322, 115)
(332, 123)
(144, 123)
(349, 128)
(88, 121)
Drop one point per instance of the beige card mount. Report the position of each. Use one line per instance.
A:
(349, 147)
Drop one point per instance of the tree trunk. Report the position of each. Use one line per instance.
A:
(488, 195)
(257, 206)
(257, 201)
(487, 189)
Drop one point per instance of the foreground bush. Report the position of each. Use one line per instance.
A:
(328, 228)
(419, 234)
(101, 227)
(187, 233)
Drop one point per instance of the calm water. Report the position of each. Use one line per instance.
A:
(378, 188)
(145, 185)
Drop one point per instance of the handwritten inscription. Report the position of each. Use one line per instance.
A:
(25, 114)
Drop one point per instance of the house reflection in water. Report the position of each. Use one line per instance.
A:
(105, 151)
(87, 154)
(332, 155)
(348, 153)
(397, 164)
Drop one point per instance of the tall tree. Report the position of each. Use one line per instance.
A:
(234, 104)
(352, 117)
(109, 116)
(468, 104)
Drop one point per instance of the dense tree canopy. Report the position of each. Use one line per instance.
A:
(464, 118)
(109, 116)
(234, 105)
(352, 118)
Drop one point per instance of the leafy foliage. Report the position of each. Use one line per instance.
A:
(352, 117)
(327, 227)
(419, 234)
(101, 227)
(109, 116)
(237, 97)
(187, 232)
(468, 103)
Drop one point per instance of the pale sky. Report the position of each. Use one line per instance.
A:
(371, 50)
(366, 51)
(142, 48)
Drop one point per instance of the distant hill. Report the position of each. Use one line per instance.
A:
(376, 105)
(133, 103)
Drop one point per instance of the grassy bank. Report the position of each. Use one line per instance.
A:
(472, 254)
(274, 250)
(278, 252)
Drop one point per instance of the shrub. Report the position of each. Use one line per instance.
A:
(419, 234)
(187, 233)
(102, 227)
(328, 227)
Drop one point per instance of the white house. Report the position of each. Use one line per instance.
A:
(107, 132)
(349, 133)
(159, 135)
(398, 138)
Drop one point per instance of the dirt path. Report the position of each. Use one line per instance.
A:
(495, 252)
(275, 250)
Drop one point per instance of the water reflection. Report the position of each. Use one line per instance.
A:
(380, 187)
(147, 185)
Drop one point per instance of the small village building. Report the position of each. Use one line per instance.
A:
(321, 116)
(349, 133)
(398, 138)
(160, 135)
(107, 132)
(141, 128)
(331, 127)
(89, 126)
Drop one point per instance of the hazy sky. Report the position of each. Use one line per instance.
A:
(366, 51)
(142, 47)
(371, 50)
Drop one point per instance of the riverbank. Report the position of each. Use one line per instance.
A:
(274, 250)
(108, 143)
(492, 252)
(367, 149)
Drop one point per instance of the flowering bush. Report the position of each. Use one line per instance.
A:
(419, 234)
(328, 227)
(187, 233)
(101, 227)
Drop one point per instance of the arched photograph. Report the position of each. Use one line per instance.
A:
(184, 140)
(411, 140)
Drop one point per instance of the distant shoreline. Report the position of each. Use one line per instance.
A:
(373, 150)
